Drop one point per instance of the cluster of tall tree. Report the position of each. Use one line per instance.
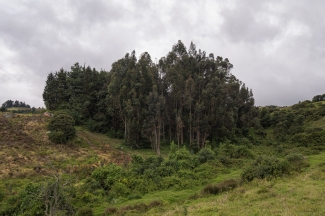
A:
(16, 103)
(188, 96)
(81, 91)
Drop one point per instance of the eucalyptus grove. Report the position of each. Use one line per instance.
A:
(187, 96)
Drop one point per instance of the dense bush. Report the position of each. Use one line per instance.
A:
(57, 137)
(3, 109)
(271, 167)
(206, 154)
(287, 124)
(61, 127)
(233, 151)
(315, 138)
(265, 167)
(107, 175)
(181, 154)
(27, 202)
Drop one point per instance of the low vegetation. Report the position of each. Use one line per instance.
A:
(93, 174)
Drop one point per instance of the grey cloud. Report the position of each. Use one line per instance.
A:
(242, 23)
(281, 67)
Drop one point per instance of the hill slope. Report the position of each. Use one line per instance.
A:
(29, 159)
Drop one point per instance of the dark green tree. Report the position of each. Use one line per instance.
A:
(61, 127)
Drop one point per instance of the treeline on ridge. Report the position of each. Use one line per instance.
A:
(16, 103)
(186, 96)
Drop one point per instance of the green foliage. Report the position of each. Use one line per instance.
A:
(88, 197)
(16, 103)
(233, 151)
(317, 98)
(304, 104)
(287, 124)
(107, 175)
(223, 186)
(3, 109)
(35, 199)
(137, 159)
(29, 202)
(85, 212)
(265, 167)
(110, 211)
(313, 139)
(57, 137)
(61, 127)
(120, 189)
(205, 155)
(115, 134)
(181, 154)
(297, 162)
(182, 95)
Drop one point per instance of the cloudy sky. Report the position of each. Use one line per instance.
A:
(277, 47)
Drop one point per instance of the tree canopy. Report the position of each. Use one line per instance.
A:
(187, 96)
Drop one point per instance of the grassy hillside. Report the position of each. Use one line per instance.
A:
(180, 183)
(24, 145)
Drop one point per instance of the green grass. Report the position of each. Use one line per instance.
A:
(316, 160)
(300, 194)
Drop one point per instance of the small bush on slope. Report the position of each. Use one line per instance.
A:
(61, 127)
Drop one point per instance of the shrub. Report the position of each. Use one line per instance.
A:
(243, 151)
(304, 104)
(3, 109)
(171, 182)
(205, 155)
(297, 162)
(244, 142)
(120, 189)
(57, 137)
(265, 167)
(136, 159)
(88, 197)
(108, 175)
(181, 154)
(61, 127)
(233, 151)
(139, 165)
(316, 138)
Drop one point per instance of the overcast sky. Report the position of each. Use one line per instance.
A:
(277, 47)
